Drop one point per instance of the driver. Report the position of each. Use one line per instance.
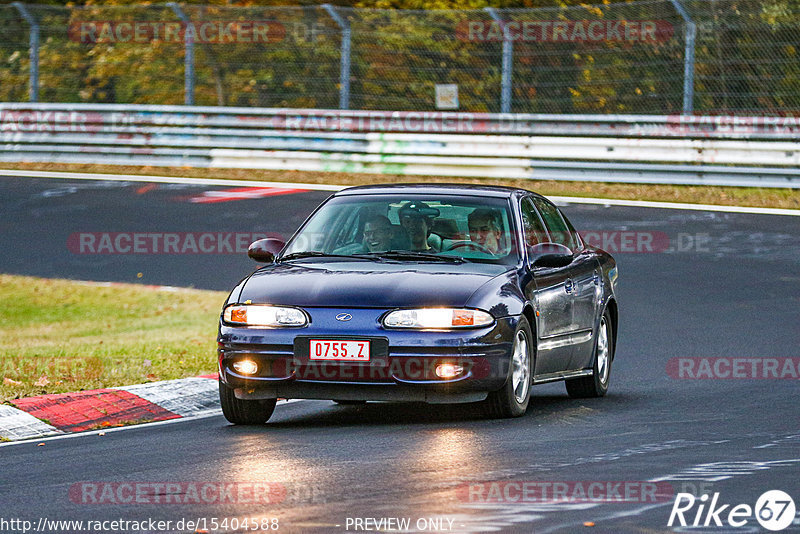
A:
(484, 229)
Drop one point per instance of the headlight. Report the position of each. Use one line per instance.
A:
(437, 318)
(261, 315)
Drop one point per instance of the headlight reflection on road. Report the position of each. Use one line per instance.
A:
(255, 457)
(441, 462)
(446, 458)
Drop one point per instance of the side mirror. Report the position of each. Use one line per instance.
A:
(265, 250)
(550, 255)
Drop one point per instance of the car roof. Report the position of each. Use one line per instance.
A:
(435, 189)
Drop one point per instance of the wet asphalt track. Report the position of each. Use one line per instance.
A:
(735, 292)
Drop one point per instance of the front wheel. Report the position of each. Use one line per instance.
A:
(596, 384)
(513, 399)
(244, 412)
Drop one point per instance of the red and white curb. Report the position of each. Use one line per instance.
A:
(186, 397)
(66, 413)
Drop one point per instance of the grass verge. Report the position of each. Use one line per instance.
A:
(61, 335)
(728, 196)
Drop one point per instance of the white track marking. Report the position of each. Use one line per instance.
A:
(36, 441)
(167, 180)
(205, 415)
(327, 187)
(675, 206)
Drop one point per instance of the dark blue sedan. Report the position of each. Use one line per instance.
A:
(427, 293)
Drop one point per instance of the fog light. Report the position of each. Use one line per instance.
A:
(246, 367)
(448, 370)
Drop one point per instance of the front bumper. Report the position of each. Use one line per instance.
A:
(401, 368)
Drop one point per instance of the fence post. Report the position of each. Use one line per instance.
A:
(344, 66)
(508, 58)
(33, 77)
(188, 56)
(688, 58)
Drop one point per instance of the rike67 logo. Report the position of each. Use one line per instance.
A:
(774, 511)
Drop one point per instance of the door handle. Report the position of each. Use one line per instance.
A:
(569, 285)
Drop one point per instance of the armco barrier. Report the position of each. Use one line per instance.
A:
(739, 151)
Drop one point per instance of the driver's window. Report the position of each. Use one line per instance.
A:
(346, 229)
(531, 224)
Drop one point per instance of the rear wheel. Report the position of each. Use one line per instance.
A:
(244, 412)
(513, 399)
(596, 385)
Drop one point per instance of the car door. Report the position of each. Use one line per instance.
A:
(583, 283)
(546, 288)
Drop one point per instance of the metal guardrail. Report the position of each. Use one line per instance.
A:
(738, 151)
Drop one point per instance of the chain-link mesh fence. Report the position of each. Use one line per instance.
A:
(607, 58)
(14, 63)
(748, 55)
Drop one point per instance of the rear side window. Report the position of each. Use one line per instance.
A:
(532, 225)
(560, 232)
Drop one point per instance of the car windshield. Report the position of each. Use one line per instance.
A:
(409, 228)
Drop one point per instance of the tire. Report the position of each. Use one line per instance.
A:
(513, 399)
(244, 412)
(349, 402)
(596, 385)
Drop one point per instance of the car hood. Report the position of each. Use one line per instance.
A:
(367, 284)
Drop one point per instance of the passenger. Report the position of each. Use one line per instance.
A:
(485, 229)
(378, 234)
(417, 218)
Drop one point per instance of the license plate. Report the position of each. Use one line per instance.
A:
(350, 351)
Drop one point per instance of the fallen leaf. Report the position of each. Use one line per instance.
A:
(10, 382)
(42, 382)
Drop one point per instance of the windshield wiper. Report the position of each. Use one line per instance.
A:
(414, 255)
(318, 254)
